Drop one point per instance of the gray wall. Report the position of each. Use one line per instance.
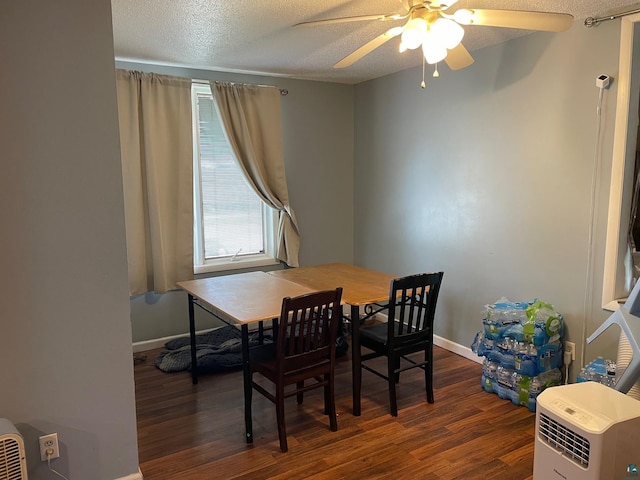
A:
(64, 307)
(317, 124)
(486, 174)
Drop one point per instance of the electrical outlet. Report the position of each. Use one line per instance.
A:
(570, 347)
(49, 445)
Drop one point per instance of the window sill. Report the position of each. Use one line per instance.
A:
(613, 305)
(237, 264)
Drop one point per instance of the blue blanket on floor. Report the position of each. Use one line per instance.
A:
(216, 351)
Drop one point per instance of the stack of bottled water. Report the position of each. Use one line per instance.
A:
(522, 346)
(599, 370)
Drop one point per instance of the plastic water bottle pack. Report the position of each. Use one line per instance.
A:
(522, 346)
(599, 370)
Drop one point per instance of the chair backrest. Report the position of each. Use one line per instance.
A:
(308, 328)
(412, 303)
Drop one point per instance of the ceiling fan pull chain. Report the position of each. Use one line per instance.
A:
(422, 85)
(436, 74)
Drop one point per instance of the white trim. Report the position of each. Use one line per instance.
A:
(456, 348)
(236, 263)
(270, 216)
(611, 306)
(145, 61)
(133, 476)
(453, 347)
(145, 345)
(614, 274)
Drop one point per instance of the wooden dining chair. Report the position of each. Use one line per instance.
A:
(409, 329)
(304, 348)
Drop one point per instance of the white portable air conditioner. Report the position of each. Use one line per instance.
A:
(586, 431)
(13, 465)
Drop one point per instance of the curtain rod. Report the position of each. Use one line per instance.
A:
(593, 21)
(283, 91)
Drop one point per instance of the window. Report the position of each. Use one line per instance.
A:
(619, 273)
(233, 228)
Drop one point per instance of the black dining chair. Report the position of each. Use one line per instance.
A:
(409, 329)
(304, 348)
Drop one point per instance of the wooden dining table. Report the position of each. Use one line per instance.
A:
(248, 299)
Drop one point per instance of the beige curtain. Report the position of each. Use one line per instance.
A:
(251, 117)
(157, 164)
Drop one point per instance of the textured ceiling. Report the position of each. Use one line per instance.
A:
(258, 36)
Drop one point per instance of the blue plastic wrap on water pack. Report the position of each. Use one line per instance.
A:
(522, 346)
(599, 370)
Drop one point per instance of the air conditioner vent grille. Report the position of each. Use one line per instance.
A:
(10, 459)
(564, 440)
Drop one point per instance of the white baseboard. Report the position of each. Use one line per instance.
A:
(456, 348)
(133, 476)
(159, 342)
(453, 347)
(145, 345)
(153, 343)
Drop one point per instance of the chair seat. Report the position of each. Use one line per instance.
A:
(264, 362)
(377, 333)
(263, 353)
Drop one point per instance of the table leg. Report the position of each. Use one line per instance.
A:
(247, 384)
(356, 371)
(192, 334)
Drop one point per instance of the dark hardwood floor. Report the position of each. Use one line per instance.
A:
(197, 432)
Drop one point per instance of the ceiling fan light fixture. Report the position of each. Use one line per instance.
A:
(464, 16)
(447, 32)
(414, 32)
(433, 52)
(439, 33)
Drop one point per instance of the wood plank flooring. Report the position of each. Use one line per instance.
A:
(188, 432)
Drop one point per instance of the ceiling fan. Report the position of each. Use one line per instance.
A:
(440, 33)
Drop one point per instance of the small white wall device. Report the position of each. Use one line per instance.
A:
(603, 81)
(586, 431)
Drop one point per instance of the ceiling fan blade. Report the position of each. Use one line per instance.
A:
(458, 57)
(544, 21)
(358, 18)
(368, 47)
